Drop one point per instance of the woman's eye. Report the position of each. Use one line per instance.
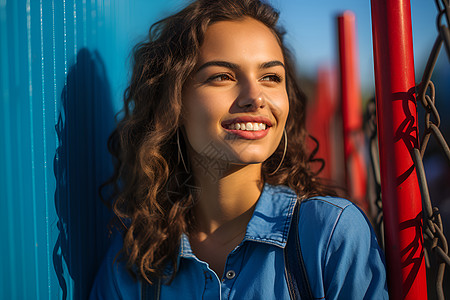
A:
(271, 78)
(220, 77)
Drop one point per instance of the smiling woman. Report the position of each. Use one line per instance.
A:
(212, 167)
(239, 81)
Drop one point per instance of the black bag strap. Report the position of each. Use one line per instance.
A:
(296, 276)
(151, 291)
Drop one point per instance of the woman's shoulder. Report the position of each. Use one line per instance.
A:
(113, 280)
(322, 210)
(323, 214)
(328, 202)
(333, 221)
(341, 248)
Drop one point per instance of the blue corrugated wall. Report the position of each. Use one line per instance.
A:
(63, 69)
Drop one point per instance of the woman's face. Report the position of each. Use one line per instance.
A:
(235, 103)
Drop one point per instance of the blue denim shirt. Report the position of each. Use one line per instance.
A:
(341, 254)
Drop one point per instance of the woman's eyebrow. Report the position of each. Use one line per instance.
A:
(218, 63)
(229, 65)
(271, 64)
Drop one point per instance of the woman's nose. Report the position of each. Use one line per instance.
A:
(251, 97)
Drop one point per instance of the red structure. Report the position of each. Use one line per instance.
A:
(398, 135)
(321, 121)
(355, 166)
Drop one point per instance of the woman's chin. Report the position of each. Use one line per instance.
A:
(243, 160)
(250, 156)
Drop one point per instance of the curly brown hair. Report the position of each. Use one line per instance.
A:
(144, 143)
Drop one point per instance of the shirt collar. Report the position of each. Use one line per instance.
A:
(272, 216)
(270, 221)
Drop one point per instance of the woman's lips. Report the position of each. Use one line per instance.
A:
(249, 135)
(244, 127)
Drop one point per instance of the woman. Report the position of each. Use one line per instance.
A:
(211, 161)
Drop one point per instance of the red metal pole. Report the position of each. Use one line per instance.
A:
(397, 136)
(356, 175)
(320, 120)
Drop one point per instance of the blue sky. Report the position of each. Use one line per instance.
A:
(311, 30)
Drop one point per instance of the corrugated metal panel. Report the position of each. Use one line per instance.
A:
(63, 69)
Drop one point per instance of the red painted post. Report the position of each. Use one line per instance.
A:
(355, 168)
(397, 136)
(320, 122)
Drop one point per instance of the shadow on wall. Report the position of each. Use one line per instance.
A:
(81, 165)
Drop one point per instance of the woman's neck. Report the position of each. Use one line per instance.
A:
(226, 201)
(226, 204)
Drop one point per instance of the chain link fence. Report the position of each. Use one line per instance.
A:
(376, 206)
(435, 242)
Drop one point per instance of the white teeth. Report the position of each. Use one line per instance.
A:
(249, 126)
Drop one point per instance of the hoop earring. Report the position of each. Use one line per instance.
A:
(284, 153)
(180, 154)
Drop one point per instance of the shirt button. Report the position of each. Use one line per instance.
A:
(230, 274)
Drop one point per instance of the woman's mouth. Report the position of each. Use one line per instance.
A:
(247, 130)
